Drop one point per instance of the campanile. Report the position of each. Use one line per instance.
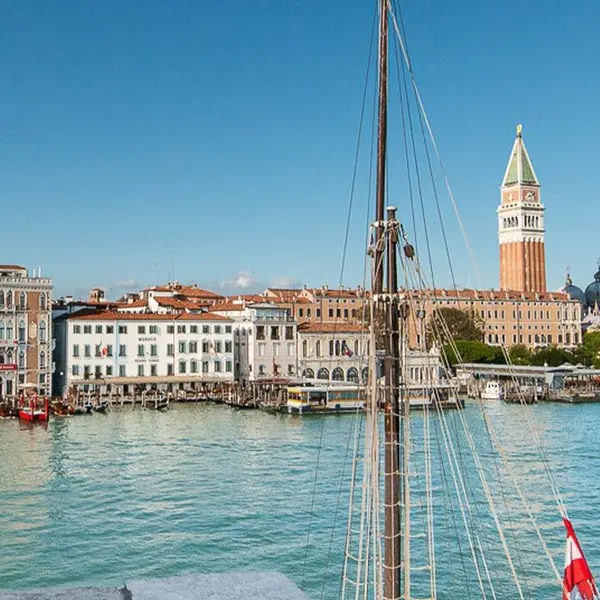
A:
(521, 225)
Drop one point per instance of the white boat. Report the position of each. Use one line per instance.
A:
(325, 399)
(493, 391)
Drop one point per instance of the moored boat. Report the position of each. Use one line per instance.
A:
(32, 411)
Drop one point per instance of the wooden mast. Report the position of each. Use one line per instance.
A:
(385, 312)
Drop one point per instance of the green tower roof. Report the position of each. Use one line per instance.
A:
(520, 169)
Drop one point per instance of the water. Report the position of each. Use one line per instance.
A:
(135, 494)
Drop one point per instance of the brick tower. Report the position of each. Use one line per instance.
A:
(521, 225)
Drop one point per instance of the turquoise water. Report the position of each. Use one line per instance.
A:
(105, 498)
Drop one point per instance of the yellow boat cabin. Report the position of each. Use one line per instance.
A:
(325, 399)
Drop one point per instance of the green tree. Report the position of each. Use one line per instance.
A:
(552, 356)
(473, 351)
(446, 324)
(520, 354)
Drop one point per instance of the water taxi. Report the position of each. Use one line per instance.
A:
(325, 399)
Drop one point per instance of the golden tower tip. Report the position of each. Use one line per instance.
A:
(519, 130)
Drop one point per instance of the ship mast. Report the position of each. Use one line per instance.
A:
(386, 315)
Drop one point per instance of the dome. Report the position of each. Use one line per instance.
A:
(592, 292)
(574, 292)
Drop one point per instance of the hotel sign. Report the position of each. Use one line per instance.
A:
(8, 367)
(8, 342)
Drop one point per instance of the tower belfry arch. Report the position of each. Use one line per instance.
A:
(521, 224)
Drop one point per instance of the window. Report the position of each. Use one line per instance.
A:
(261, 349)
(98, 328)
(308, 312)
(87, 351)
(218, 347)
(153, 350)
(43, 332)
(1, 298)
(141, 351)
(22, 301)
(182, 347)
(356, 347)
(217, 329)
(97, 350)
(193, 347)
(304, 348)
(205, 347)
(290, 349)
(261, 369)
(228, 366)
(153, 370)
(42, 360)
(227, 328)
(170, 329)
(122, 350)
(217, 366)
(87, 329)
(97, 372)
(300, 312)
(331, 351)
(228, 346)
(76, 328)
(109, 370)
(1, 330)
(193, 328)
(193, 366)
(205, 366)
(289, 333)
(122, 370)
(180, 328)
(318, 313)
(109, 350)
(76, 350)
(110, 329)
(22, 331)
(141, 329)
(182, 366)
(260, 332)
(331, 313)
(86, 372)
(205, 329)
(290, 369)
(275, 349)
(21, 359)
(169, 369)
(338, 313)
(140, 370)
(9, 299)
(153, 329)
(274, 332)
(122, 328)
(170, 350)
(318, 348)
(75, 371)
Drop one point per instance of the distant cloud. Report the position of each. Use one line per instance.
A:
(127, 283)
(243, 281)
(285, 282)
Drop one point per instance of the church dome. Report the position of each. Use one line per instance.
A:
(576, 293)
(592, 292)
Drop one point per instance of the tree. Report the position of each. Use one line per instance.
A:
(520, 354)
(473, 351)
(552, 356)
(446, 324)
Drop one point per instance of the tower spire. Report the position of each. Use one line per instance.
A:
(519, 169)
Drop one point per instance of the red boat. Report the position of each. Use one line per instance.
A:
(33, 412)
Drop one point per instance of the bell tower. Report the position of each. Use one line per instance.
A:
(521, 225)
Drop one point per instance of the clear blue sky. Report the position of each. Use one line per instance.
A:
(217, 138)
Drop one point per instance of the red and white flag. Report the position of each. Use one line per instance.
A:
(578, 581)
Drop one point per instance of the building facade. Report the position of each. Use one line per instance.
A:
(148, 349)
(521, 225)
(25, 332)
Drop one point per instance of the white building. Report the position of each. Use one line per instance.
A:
(149, 349)
(333, 351)
(264, 340)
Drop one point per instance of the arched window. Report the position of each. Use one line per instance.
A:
(323, 373)
(330, 347)
(1, 330)
(537, 338)
(43, 331)
(356, 347)
(1, 297)
(43, 301)
(304, 348)
(365, 374)
(337, 374)
(9, 299)
(22, 300)
(9, 356)
(21, 359)
(42, 360)
(10, 333)
(352, 375)
(318, 348)
(22, 331)
(308, 374)
(337, 348)
(1, 358)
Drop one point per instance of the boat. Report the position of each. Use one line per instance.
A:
(492, 391)
(32, 411)
(61, 409)
(324, 399)
(8, 410)
(101, 407)
(413, 473)
(160, 403)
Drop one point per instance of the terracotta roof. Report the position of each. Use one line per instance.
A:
(11, 267)
(334, 293)
(332, 328)
(287, 293)
(193, 291)
(116, 316)
(470, 294)
(134, 304)
(227, 306)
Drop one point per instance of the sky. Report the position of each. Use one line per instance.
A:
(214, 142)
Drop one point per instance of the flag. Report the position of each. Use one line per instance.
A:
(578, 581)
(346, 350)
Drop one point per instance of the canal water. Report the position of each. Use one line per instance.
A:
(101, 499)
